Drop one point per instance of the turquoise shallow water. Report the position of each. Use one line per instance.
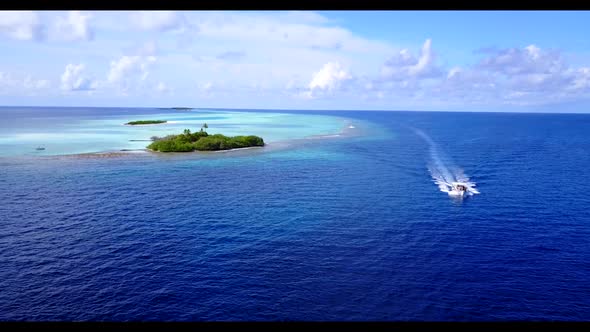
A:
(74, 131)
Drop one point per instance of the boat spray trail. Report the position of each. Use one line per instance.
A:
(443, 170)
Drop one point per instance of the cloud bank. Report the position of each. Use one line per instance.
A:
(301, 58)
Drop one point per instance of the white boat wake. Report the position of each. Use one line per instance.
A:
(445, 175)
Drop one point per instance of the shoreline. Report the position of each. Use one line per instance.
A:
(204, 152)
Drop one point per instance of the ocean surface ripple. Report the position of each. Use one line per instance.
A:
(342, 229)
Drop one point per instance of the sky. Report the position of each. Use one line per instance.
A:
(328, 60)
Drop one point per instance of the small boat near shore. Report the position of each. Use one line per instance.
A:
(39, 148)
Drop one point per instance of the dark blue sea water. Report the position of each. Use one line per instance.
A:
(340, 229)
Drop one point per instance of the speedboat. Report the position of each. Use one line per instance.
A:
(459, 189)
(40, 148)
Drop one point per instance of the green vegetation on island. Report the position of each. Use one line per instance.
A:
(176, 108)
(202, 141)
(145, 122)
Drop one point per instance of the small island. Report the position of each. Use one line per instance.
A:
(176, 108)
(202, 141)
(145, 122)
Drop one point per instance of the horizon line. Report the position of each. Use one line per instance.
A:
(294, 110)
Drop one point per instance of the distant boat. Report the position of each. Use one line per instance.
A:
(459, 189)
(40, 148)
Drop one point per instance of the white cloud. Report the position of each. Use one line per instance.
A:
(75, 26)
(26, 85)
(465, 86)
(516, 76)
(35, 84)
(130, 66)
(279, 53)
(404, 65)
(6, 81)
(130, 73)
(529, 75)
(290, 29)
(73, 79)
(532, 72)
(405, 76)
(21, 25)
(582, 79)
(328, 78)
(157, 20)
(468, 78)
(269, 48)
(522, 61)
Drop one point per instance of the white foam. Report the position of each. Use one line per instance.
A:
(443, 171)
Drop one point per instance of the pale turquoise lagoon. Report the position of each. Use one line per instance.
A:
(67, 131)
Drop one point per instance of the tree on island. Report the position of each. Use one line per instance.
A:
(202, 141)
(204, 126)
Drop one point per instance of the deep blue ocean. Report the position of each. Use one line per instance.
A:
(348, 229)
